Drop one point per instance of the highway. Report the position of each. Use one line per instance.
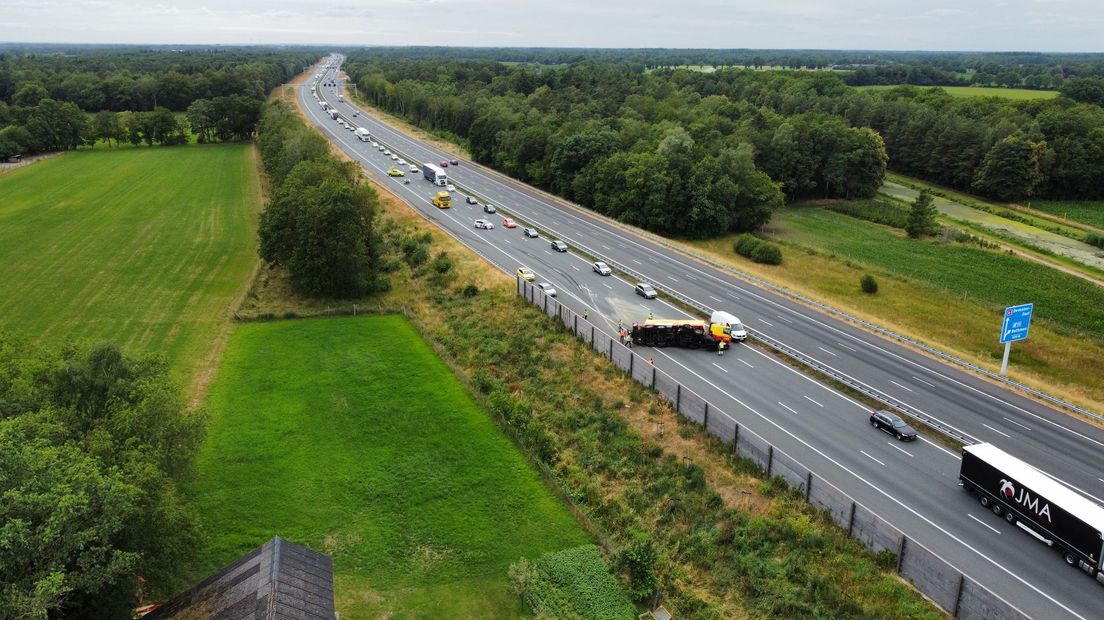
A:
(913, 485)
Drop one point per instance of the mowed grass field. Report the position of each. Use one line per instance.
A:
(980, 91)
(351, 436)
(144, 247)
(1089, 212)
(990, 277)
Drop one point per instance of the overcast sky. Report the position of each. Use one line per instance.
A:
(1045, 25)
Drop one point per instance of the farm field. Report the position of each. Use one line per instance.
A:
(989, 277)
(144, 247)
(351, 436)
(1084, 211)
(979, 91)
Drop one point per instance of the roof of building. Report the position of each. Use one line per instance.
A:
(277, 581)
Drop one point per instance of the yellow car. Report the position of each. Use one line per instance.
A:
(526, 274)
(395, 172)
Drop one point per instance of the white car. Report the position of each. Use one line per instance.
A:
(484, 224)
(547, 288)
(414, 169)
(601, 268)
(387, 153)
(394, 157)
(374, 144)
(402, 162)
(380, 147)
(451, 187)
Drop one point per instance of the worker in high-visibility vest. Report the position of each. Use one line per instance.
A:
(650, 317)
(721, 348)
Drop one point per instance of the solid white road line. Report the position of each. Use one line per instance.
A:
(813, 401)
(996, 431)
(983, 523)
(827, 351)
(872, 458)
(899, 385)
(931, 385)
(899, 448)
(718, 366)
(750, 366)
(784, 405)
(1026, 428)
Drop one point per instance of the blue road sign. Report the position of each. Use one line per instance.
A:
(1017, 320)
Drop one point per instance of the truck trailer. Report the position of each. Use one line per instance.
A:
(363, 134)
(1050, 511)
(333, 114)
(434, 175)
(689, 333)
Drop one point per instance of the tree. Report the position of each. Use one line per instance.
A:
(1011, 169)
(106, 126)
(921, 218)
(638, 559)
(202, 117)
(92, 445)
(1086, 90)
(29, 94)
(14, 140)
(56, 125)
(321, 227)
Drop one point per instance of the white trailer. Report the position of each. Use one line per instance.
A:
(363, 134)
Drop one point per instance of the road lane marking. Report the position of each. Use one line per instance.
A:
(636, 261)
(718, 366)
(784, 405)
(671, 278)
(750, 366)
(691, 277)
(827, 351)
(847, 347)
(899, 448)
(983, 523)
(785, 319)
(813, 401)
(507, 241)
(574, 267)
(1026, 428)
(767, 322)
(607, 286)
(715, 299)
(872, 458)
(931, 385)
(996, 431)
(899, 385)
(605, 247)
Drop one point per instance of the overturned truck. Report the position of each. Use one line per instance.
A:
(689, 333)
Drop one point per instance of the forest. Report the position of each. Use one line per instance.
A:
(696, 153)
(59, 99)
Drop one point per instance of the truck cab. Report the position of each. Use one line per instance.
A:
(442, 200)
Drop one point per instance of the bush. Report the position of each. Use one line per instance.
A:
(442, 264)
(758, 250)
(1095, 239)
(868, 284)
(572, 583)
(875, 211)
(470, 290)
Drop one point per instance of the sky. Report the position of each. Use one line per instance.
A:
(1001, 25)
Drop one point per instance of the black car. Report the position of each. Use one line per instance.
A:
(489, 208)
(892, 424)
(454, 162)
(559, 246)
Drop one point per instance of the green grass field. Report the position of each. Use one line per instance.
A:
(981, 91)
(145, 247)
(349, 435)
(989, 277)
(1085, 211)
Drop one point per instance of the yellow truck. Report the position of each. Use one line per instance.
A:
(442, 200)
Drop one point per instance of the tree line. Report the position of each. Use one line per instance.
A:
(808, 131)
(93, 447)
(635, 146)
(62, 101)
(321, 224)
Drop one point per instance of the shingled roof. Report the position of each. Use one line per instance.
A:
(280, 580)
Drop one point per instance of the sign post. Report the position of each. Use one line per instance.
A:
(1017, 321)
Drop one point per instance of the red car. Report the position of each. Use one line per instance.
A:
(444, 164)
(508, 223)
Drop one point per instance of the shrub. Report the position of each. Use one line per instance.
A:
(470, 290)
(746, 244)
(442, 263)
(768, 254)
(875, 211)
(1095, 239)
(868, 284)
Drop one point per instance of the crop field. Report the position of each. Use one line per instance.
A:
(989, 277)
(1084, 211)
(351, 436)
(981, 91)
(144, 247)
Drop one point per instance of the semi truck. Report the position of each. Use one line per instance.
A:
(434, 175)
(333, 114)
(689, 333)
(363, 134)
(442, 200)
(1048, 510)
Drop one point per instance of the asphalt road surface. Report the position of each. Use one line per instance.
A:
(913, 485)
